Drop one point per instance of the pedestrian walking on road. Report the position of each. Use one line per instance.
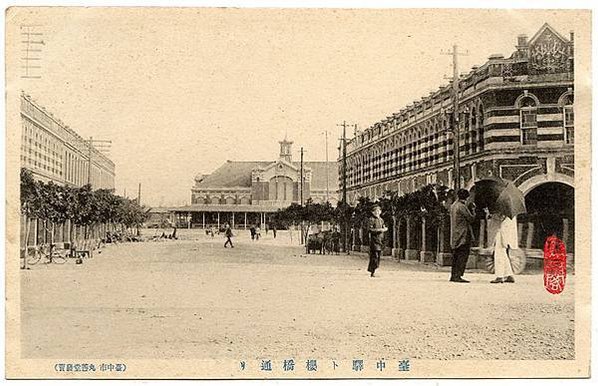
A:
(462, 216)
(228, 232)
(504, 242)
(252, 231)
(376, 228)
(257, 233)
(274, 231)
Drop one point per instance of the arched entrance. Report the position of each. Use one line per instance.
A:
(550, 208)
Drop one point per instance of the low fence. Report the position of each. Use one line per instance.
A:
(35, 232)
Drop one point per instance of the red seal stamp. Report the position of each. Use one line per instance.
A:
(555, 265)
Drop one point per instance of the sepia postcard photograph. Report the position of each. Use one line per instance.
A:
(311, 193)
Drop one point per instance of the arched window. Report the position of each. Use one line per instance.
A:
(528, 121)
(568, 119)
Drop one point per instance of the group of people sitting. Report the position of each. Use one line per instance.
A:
(119, 237)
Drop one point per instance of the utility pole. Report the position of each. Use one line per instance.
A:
(103, 146)
(139, 203)
(455, 129)
(344, 162)
(301, 176)
(327, 173)
(90, 144)
(456, 123)
(303, 232)
(344, 183)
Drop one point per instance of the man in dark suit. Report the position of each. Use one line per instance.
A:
(462, 217)
(228, 232)
(376, 228)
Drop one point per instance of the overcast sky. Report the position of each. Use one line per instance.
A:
(179, 92)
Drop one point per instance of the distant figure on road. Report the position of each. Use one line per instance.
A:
(228, 233)
(266, 228)
(462, 217)
(504, 242)
(257, 233)
(274, 231)
(336, 240)
(252, 232)
(376, 228)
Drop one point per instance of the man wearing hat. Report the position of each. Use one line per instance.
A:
(462, 217)
(376, 228)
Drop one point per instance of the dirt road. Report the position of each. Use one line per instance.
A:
(194, 299)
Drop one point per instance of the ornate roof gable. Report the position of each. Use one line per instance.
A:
(281, 164)
(549, 52)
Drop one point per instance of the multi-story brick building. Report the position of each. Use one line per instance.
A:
(54, 152)
(516, 121)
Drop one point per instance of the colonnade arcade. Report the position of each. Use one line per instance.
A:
(550, 206)
(217, 219)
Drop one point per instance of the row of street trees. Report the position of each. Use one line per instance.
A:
(306, 216)
(429, 203)
(88, 213)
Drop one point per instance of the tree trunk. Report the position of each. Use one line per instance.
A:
(394, 232)
(27, 231)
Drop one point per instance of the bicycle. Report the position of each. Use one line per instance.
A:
(47, 251)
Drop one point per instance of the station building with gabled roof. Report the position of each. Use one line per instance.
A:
(242, 193)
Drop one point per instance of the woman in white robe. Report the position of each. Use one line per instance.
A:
(504, 242)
